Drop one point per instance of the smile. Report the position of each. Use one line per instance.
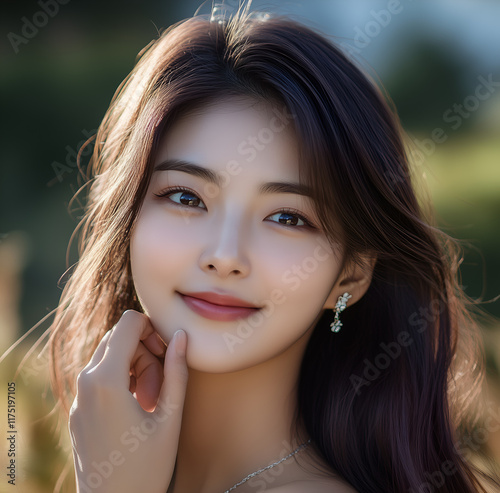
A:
(220, 313)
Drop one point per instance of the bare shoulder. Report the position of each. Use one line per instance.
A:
(314, 486)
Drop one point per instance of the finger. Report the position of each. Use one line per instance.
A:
(122, 345)
(132, 385)
(155, 344)
(99, 352)
(148, 373)
(175, 377)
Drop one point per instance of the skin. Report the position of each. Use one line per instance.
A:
(110, 427)
(240, 390)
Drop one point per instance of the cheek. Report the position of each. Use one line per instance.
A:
(308, 270)
(297, 285)
(159, 253)
(158, 235)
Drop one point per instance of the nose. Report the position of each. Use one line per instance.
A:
(225, 249)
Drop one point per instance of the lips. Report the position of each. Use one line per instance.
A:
(218, 307)
(219, 299)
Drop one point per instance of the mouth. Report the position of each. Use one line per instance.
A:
(212, 311)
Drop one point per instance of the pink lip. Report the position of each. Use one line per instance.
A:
(219, 299)
(222, 313)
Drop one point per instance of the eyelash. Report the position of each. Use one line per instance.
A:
(169, 191)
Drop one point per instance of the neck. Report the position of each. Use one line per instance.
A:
(236, 423)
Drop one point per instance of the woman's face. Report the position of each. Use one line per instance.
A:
(231, 238)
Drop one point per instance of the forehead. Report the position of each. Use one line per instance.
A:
(258, 136)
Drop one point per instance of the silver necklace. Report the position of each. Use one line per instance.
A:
(305, 444)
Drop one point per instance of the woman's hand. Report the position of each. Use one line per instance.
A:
(118, 444)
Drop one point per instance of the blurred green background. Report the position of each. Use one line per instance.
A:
(439, 61)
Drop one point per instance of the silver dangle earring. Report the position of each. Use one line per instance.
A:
(339, 307)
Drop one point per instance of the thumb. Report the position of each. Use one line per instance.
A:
(175, 377)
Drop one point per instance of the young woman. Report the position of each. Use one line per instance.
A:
(261, 302)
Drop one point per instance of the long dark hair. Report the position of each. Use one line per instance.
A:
(383, 399)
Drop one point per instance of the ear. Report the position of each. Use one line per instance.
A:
(354, 279)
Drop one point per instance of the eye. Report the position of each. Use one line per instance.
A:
(291, 218)
(186, 197)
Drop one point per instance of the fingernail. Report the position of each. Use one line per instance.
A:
(180, 342)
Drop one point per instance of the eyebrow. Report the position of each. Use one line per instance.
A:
(213, 177)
